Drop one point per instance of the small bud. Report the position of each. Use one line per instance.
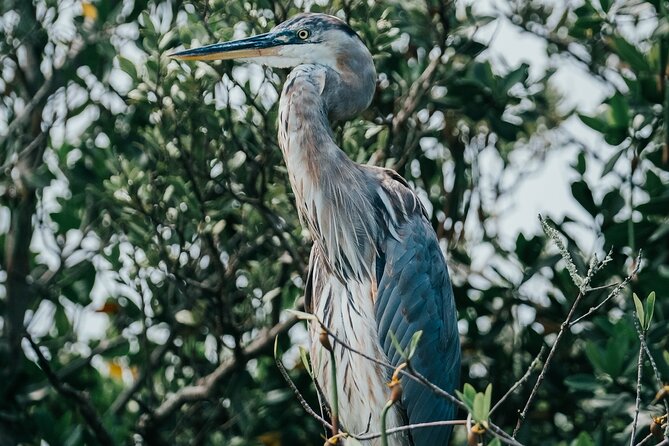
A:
(472, 439)
(662, 393)
(395, 390)
(656, 427)
(332, 441)
(325, 340)
(474, 436)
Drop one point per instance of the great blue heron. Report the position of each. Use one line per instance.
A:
(375, 266)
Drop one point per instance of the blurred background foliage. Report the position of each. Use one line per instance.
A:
(149, 242)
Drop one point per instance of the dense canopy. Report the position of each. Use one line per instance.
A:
(150, 248)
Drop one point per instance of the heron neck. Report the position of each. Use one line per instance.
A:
(331, 191)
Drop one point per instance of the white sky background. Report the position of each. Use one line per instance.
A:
(546, 191)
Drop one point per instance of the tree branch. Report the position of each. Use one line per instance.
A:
(125, 396)
(206, 385)
(84, 405)
(542, 375)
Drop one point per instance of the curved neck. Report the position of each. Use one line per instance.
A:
(331, 191)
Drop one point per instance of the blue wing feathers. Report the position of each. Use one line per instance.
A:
(414, 293)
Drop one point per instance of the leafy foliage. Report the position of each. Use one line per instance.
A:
(149, 241)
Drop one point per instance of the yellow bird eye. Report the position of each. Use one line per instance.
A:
(303, 34)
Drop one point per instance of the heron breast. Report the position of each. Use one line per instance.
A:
(348, 311)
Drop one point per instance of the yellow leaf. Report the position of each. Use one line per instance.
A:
(272, 438)
(115, 370)
(90, 12)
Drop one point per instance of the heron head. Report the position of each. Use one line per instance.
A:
(303, 39)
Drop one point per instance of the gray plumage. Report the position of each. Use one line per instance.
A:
(375, 267)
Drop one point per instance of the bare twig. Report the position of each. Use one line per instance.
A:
(503, 436)
(656, 371)
(542, 375)
(206, 385)
(637, 402)
(104, 346)
(407, 427)
(82, 401)
(43, 91)
(361, 437)
(522, 379)
(408, 372)
(125, 396)
(415, 93)
(616, 291)
(645, 439)
(416, 376)
(299, 396)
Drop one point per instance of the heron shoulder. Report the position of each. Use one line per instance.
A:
(394, 196)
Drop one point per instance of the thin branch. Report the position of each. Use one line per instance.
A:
(299, 396)
(104, 346)
(44, 90)
(542, 375)
(637, 402)
(656, 371)
(125, 396)
(416, 376)
(82, 401)
(206, 385)
(408, 372)
(415, 93)
(522, 380)
(616, 291)
(406, 427)
(645, 440)
(34, 144)
(503, 436)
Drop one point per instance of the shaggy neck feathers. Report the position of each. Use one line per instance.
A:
(331, 191)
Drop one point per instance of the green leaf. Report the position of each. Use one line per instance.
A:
(650, 308)
(612, 203)
(128, 67)
(487, 400)
(582, 193)
(519, 75)
(580, 165)
(304, 356)
(655, 206)
(611, 163)
(479, 408)
(620, 112)
(594, 123)
(276, 347)
(414, 343)
(639, 310)
(396, 344)
(594, 356)
(62, 321)
(630, 54)
(583, 439)
(582, 381)
(467, 396)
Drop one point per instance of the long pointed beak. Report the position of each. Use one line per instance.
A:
(261, 45)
